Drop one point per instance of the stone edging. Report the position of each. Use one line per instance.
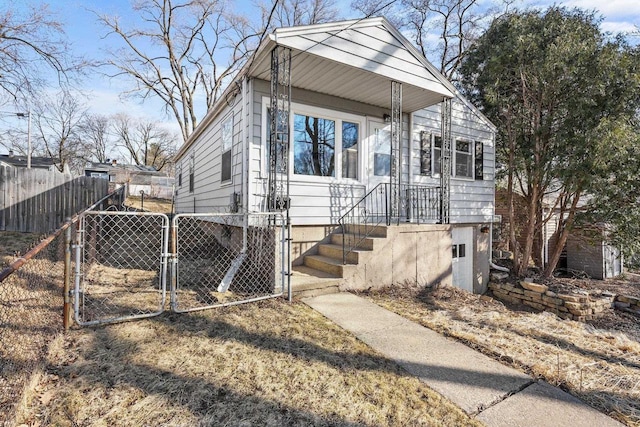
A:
(572, 306)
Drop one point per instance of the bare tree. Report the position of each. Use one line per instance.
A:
(442, 29)
(57, 123)
(94, 133)
(175, 53)
(289, 13)
(146, 142)
(29, 43)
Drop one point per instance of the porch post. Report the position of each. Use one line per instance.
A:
(280, 106)
(396, 152)
(279, 140)
(445, 162)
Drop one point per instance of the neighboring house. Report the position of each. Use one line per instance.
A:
(586, 250)
(14, 161)
(137, 178)
(365, 143)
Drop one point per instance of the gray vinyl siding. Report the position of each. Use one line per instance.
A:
(210, 194)
(311, 202)
(471, 200)
(325, 202)
(587, 257)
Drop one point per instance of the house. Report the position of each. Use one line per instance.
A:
(587, 249)
(345, 127)
(13, 161)
(138, 178)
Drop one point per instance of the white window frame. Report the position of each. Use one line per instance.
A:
(454, 146)
(471, 152)
(192, 173)
(324, 113)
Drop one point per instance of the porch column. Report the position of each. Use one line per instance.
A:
(445, 162)
(280, 106)
(396, 152)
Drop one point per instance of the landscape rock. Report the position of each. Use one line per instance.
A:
(535, 287)
(499, 275)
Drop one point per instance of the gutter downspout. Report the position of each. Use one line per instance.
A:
(237, 262)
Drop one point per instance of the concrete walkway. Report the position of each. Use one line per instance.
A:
(491, 392)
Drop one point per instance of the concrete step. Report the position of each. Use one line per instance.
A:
(310, 293)
(328, 265)
(366, 230)
(367, 243)
(307, 282)
(335, 252)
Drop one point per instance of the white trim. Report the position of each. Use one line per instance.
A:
(454, 152)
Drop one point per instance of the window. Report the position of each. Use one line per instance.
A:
(437, 153)
(430, 153)
(464, 166)
(479, 167)
(349, 150)
(459, 251)
(282, 136)
(180, 177)
(192, 174)
(323, 144)
(226, 131)
(314, 141)
(425, 153)
(467, 157)
(382, 152)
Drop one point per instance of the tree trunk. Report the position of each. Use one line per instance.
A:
(562, 237)
(513, 242)
(532, 209)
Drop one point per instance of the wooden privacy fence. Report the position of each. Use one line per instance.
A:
(39, 201)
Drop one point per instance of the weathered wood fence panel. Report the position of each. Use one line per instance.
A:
(38, 201)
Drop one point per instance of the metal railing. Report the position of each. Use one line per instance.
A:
(418, 204)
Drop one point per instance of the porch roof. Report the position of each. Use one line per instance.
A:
(356, 60)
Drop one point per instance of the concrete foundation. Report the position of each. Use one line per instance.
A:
(409, 254)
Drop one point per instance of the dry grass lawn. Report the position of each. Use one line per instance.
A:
(12, 243)
(600, 366)
(150, 204)
(267, 363)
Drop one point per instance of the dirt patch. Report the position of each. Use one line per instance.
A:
(598, 361)
(229, 367)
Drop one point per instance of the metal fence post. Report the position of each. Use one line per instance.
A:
(66, 320)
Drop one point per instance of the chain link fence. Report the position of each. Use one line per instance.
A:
(226, 259)
(121, 266)
(31, 315)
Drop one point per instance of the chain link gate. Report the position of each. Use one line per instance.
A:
(121, 266)
(122, 263)
(227, 259)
